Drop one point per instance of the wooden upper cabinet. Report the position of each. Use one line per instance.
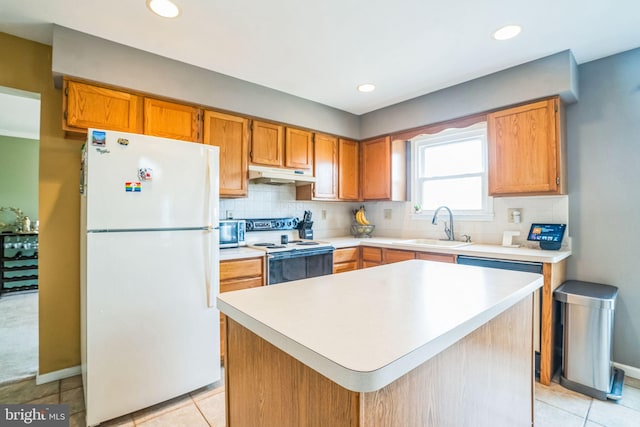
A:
(348, 170)
(526, 150)
(267, 143)
(298, 149)
(88, 106)
(171, 120)
(325, 166)
(376, 168)
(384, 166)
(231, 134)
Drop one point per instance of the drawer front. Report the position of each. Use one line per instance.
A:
(450, 258)
(241, 268)
(367, 264)
(345, 255)
(239, 284)
(345, 266)
(372, 254)
(394, 255)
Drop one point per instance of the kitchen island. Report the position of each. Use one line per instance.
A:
(412, 343)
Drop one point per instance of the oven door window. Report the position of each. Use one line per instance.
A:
(300, 267)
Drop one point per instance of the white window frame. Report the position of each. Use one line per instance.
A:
(448, 136)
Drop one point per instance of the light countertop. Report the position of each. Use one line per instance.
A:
(227, 254)
(364, 329)
(474, 249)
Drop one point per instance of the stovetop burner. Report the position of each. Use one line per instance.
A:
(297, 245)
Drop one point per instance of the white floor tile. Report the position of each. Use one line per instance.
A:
(613, 414)
(563, 398)
(546, 415)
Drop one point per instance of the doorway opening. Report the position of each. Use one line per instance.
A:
(19, 163)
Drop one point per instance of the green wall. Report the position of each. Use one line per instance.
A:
(19, 176)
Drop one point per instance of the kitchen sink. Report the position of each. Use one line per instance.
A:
(434, 243)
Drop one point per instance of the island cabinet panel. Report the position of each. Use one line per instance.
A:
(394, 255)
(526, 150)
(89, 106)
(231, 134)
(236, 275)
(298, 149)
(267, 143)
(267, 387)
(430, 256)
(348, 170)
(172, 120)
(371, 256)
(346, 259)
(483, 380)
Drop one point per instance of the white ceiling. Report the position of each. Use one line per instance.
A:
(321, 50)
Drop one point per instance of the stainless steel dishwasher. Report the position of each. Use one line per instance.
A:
(526, 266)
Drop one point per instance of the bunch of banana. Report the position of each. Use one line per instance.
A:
(361, 217)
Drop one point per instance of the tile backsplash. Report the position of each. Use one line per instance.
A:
(544, 209)
(277, 201)
(332, 219)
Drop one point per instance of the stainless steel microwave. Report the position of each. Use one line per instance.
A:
(232, 233)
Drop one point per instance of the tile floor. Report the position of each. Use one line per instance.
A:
(554, 406)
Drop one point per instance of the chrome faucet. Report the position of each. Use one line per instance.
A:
(447, 230)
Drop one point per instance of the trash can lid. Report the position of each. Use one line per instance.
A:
(594, 295)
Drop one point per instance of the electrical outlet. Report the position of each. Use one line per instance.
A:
(514, 215)
(387, 213)
(324, 214)
(229, 214)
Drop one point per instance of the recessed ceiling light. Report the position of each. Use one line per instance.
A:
(164, 8)
(507, 32)
(367, 87)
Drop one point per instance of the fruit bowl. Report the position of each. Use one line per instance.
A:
(359, 230)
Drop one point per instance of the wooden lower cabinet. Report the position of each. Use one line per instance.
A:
(394, 255)
(236, 275)
(371, 256)
(430, 256)
(378, 256)
(346, 259)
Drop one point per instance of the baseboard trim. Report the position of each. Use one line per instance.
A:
(58, 375)
(629, 371)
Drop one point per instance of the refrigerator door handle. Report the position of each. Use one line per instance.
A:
(209, 266)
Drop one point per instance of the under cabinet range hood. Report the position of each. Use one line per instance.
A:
(280, 176)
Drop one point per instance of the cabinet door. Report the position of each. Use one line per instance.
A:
(325, 167)
(87, 106)
(231, 134)
(171, 120)
(348, 170)
(298, 149)
(449, 258)
(267, 142)
(376, 169)
(371, 256)
(394, 255)
(524, 149)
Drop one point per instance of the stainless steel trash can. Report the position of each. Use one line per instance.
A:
(587, 325)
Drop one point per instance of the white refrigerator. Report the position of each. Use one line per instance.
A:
(149, 271)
